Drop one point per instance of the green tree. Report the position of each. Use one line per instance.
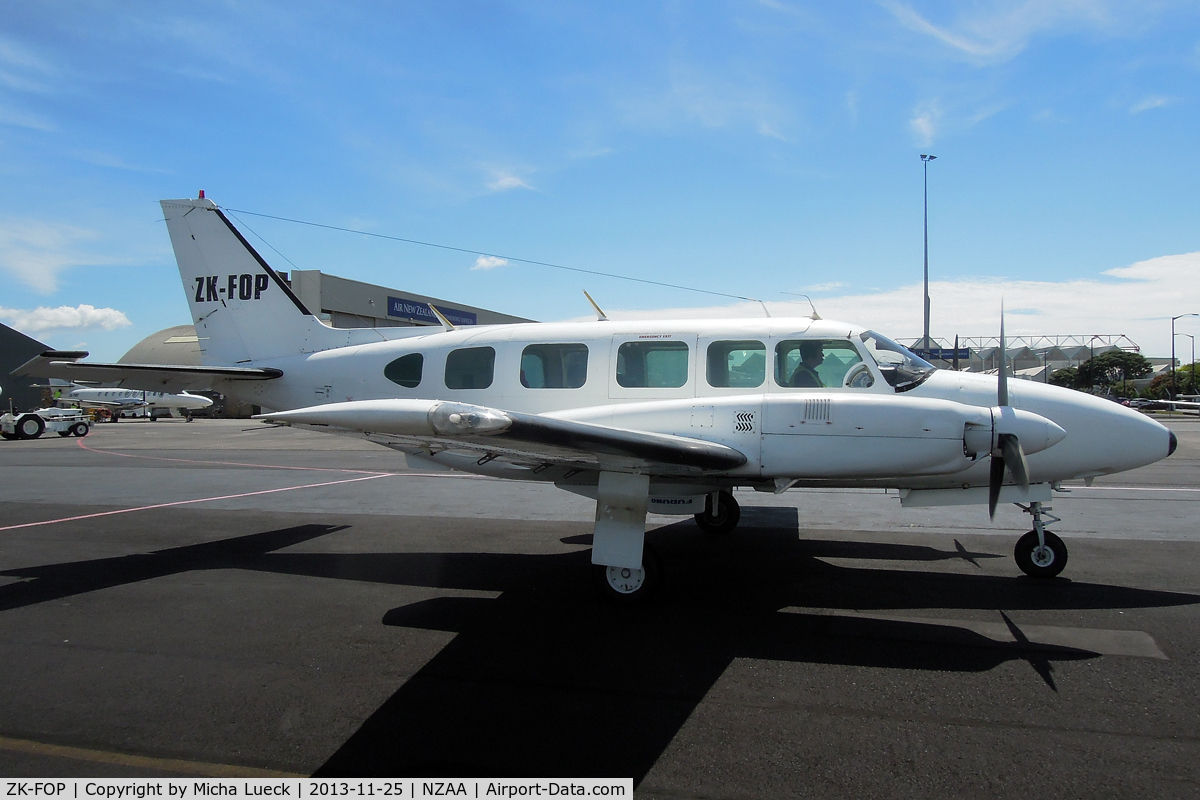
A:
(1067, 376)
(1112, 367)
(1186, 379)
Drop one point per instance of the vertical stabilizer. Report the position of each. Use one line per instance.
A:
(243, 309)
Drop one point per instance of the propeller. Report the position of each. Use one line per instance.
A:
(1006, 450)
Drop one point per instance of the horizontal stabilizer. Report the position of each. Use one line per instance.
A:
(150, 377)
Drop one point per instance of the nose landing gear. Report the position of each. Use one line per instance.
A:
(1039, 553)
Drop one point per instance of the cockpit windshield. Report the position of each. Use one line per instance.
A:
(900, 367)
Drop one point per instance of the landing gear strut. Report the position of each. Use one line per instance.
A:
(721, 513)
(1039, 553)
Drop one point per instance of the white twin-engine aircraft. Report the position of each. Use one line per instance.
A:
(120, 399)
(667, 416)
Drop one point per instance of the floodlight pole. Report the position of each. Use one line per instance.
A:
(925, 159)
(1192, 364)
(1174, 385)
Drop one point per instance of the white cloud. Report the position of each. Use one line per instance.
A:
(768, 130)
(101, 159)
(998, 31)
(20, 56)
(1149, 103)
(690, 93)
(489, 262)
(825, 287)
(1137, 301)
(925, 121)
(30, 321)
(503, 181)
(24, 119)
(35, 252)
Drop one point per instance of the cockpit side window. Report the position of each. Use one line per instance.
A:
(818, 363)
(737, 364)
(656, 364)
(470, 368)
(554, 366)
(405, 370)
(900, 367)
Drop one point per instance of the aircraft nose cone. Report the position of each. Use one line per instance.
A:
(1174, 442)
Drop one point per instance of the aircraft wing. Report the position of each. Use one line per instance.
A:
(151, 377)
(107, 404)
(522, 440)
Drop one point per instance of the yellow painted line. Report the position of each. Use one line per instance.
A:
(176, 765)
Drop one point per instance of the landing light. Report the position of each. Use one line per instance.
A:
(457, 419)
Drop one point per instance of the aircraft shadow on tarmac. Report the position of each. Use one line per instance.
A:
(547, 679)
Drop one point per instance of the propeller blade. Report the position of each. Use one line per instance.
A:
(1014, 459)
(956, 352)
(995, 481)
(1002, 375)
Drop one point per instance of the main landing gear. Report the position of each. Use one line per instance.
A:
(629, 586)
(721, 513)
(625, 569)
(1039, 553)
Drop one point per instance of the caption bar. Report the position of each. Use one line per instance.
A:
(197, 789)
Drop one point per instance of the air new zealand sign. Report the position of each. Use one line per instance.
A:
(420, 312)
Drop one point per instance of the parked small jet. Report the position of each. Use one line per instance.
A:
(117, 400)
(666, 416)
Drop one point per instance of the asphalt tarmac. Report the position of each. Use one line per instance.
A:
(220, 598)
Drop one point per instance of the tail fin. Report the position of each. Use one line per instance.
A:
(243, 309)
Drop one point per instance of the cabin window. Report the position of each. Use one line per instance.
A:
(814, 363)
(405, 370)
(740, 364)
(654, 364)
(554, 366)
(470, 368)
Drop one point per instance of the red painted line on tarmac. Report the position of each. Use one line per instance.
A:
(197, 500)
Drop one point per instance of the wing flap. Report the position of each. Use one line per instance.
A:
(523, 439)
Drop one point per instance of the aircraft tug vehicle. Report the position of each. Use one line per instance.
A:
(666, 416)
(32, 424)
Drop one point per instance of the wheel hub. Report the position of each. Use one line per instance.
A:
(1042, 556)
(624, 579)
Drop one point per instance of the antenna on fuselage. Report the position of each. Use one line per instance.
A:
(815, 315)
(600, 315)
(447, 324)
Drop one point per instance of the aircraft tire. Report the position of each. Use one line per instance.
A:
(1046, 564)
(723, 522)
(30, 426)
(79, 429)
(626, 587)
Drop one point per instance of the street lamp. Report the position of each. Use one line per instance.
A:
(1192, 365)
(925, 159)
(1174, 387)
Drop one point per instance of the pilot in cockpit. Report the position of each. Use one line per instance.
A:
(811, 356)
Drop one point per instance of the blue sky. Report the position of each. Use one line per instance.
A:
(752, 147)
